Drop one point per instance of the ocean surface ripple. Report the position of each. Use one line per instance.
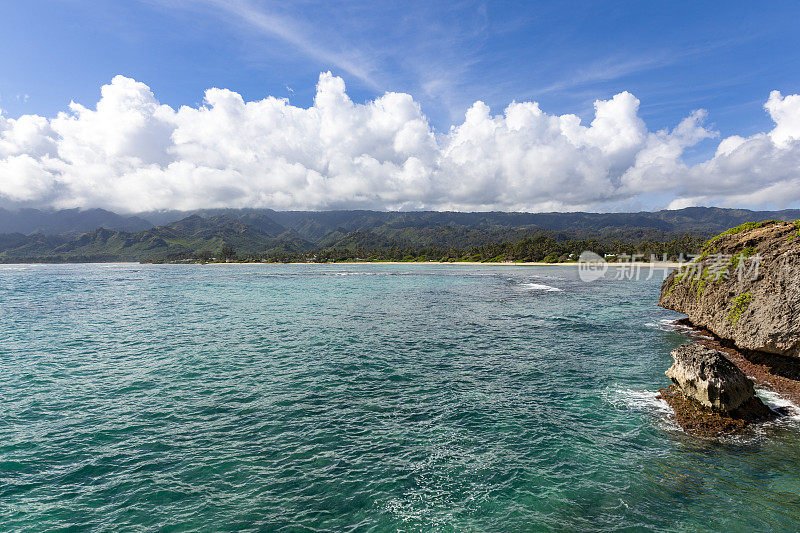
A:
(358, 398)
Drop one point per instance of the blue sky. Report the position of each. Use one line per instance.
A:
(674, 56)
(726, 58)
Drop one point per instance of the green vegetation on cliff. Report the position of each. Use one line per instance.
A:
(748, 291)
(738, 306)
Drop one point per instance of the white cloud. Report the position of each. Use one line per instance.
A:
(763, 169)
(786, 114)
(131, 153)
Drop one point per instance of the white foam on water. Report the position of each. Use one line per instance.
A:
(539, 287)
(775, 401)
(668, 324)
(638, 400)
(646, 401)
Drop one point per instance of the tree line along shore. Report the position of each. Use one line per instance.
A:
(538, 250)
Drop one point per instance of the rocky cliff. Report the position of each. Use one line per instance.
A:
(744, 287)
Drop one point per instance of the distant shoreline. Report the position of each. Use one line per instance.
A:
(638, 264)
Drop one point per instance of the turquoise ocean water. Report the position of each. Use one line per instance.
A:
(358, 398)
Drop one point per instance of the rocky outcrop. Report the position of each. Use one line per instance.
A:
(704, 422)
(745, 287)
(710, 395)
(706, 376)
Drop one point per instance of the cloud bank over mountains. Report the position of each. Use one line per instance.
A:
(132, 153)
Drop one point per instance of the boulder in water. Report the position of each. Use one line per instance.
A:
(706, 376)
(710, 395)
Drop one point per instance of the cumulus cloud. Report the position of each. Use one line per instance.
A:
(763, 169)
(131, 153)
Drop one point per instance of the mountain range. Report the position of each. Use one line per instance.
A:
(100, 235)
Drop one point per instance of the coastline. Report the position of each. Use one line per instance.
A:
(632, 264)
(638, 264)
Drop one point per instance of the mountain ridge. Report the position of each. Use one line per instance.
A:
(314, 225)
(67, 221)
(261, 234)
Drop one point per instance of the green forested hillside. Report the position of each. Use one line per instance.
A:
(253, 236)
(314, 225)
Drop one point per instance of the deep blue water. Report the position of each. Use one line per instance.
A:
(358, 398)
